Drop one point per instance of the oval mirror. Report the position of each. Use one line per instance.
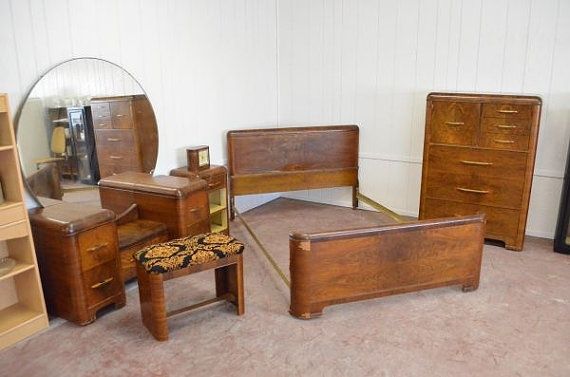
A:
(83, 120)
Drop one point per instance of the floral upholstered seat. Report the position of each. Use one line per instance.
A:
(188, 251)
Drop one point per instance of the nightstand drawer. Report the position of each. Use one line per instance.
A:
(506, 127)
(484, 163)
(501, 192)
(506, 110)
(500, 221)
(97, 246)
(454, 123)
(101, 283)
(510, 142)
(215, 181)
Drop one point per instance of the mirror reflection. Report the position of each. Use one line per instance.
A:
(84, 120)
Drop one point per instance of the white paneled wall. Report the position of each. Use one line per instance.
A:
(207, 66)
(372, 63)
(213, 65)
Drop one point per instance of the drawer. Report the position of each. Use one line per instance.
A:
(13, 214)
(97, 246)
(454, 123)
(16, 229)
(101, 283)
(506, 110)
(115, 156)
(510, 142)
(102, 122)
(121, 114)
(215, 181)
(100, 108)
(506, 126)
(485, 163)
(108, 169)
(115, 139)
(3, 105)
(501, 192)
(501, 223)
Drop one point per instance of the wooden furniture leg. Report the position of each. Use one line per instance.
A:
(229, 283)
(153, 307)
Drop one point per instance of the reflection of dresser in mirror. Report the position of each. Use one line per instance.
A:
(125, 134)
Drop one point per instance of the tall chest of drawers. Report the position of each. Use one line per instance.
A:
(125, 134)
(479, 153)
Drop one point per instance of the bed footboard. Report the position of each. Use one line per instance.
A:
(337, 267)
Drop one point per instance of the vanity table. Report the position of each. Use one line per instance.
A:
(180, 203)
(77, 253)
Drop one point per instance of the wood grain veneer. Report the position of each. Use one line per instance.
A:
(479, 153)
(342, 266)
(293, 158)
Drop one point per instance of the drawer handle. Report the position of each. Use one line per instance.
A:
(113, 139)
(116, 157)
(102, 116)
(455, 123)
(102, 283)
(508, 111)
(98, 247)
(505, 126)
(476, 163)
(472, 190)
(194, 210)
(102, 124)
(500, 141)
(119, 115)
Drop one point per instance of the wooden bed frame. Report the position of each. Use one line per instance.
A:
(294, 158)
(351, 265)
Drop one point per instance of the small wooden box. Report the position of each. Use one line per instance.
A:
(198, 158)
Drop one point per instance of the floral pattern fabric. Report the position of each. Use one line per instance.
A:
(188, 251)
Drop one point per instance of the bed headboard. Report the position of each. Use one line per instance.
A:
(293, 158)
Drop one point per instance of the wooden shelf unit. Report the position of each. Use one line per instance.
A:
(22, 307)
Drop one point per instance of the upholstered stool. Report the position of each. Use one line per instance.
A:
(180, 257)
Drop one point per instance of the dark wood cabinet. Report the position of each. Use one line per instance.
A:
(125, 134)
(77, 252)
(479, 153)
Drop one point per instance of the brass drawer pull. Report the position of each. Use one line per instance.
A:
(102, 124)
(472, 190)
(504, 141)
(476, 163)
(120, 115)
(102, 283)
(194, 210)
(113, 139)
(505, 126)
(116, 157)
(455, 123)
(508, 111)
(98, 247)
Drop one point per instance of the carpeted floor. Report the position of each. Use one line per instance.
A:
(516, 324)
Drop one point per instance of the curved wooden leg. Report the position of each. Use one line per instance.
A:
(313, 312)
(229, 279)
(470, 286)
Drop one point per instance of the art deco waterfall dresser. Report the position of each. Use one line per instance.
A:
(479, 153)
(125, 134)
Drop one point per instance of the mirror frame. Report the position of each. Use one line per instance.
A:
(31, 89)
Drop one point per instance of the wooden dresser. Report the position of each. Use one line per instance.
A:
(479, 153)
(216, 176)
(77, 253)
(125, 134)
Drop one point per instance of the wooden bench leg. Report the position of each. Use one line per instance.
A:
(229, 279)
(153, 307)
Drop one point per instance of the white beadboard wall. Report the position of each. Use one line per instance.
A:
(372, 63)
(206, 65)
(213, 65)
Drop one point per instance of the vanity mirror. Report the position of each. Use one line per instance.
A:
(83, 120)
